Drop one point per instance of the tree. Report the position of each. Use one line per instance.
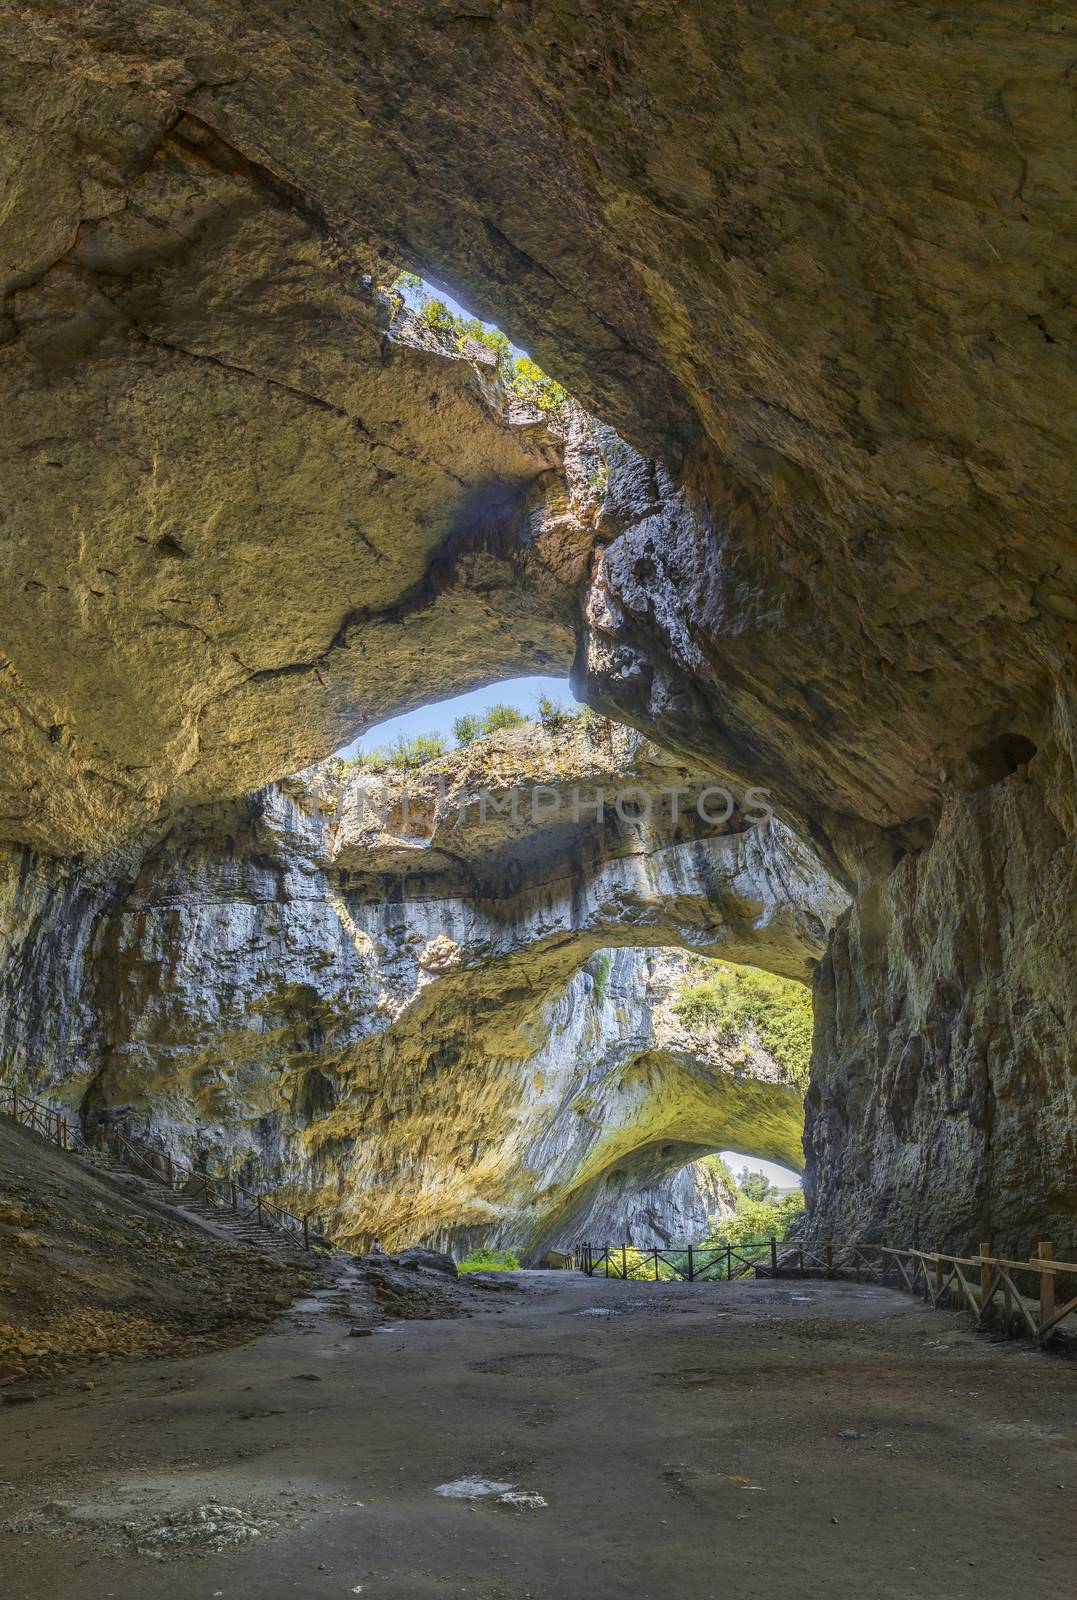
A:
(756, 1220)
(753, 1186)
(502, 716)
(551, 712)
(520, 375)
(467, 729)
(416, 752)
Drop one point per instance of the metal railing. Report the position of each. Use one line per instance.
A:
(1020, 1298)
(221, 1193)
(684, 1263)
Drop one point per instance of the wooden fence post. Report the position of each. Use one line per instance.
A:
(938, 1277)
(1047, 1283)
(624, 1261)
(729, 1263)
(306, 1234)
(691, 1274)
(774, 1255)
(985, 1277)
(830, 1260)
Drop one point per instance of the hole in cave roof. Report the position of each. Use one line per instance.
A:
(437, 718)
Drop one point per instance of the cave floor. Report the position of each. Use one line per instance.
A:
(771, 1440)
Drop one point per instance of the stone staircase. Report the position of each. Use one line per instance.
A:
(222, 1207)
(220, 1219)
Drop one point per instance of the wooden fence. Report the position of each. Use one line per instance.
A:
(224, 1193)
(1021, 1298)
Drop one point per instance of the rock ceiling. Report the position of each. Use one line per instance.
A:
(809, 269)
(812, 260)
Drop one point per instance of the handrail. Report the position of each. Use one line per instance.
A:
(54, 1125)
(939, 1274)
(690, 1263)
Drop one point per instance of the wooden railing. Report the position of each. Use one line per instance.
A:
(987, 1285)
(1032, 1297)
(161, 1168)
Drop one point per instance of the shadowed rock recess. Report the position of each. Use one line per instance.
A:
(806, 268)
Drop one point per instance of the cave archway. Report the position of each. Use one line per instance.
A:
(375, 1019)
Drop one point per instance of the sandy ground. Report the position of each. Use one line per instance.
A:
(770, 1440)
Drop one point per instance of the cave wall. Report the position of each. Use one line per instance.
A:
(676, 1205)
(809, 263)
(943, 1106)
(385, 1026)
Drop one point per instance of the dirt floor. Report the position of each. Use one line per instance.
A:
(590, 1440)
(93, 1269)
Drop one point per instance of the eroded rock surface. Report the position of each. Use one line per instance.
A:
(368, 1012)
(944, 1103)
(806, 263)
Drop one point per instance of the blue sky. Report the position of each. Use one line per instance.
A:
(415, 298)
(523, 693)
(780, 1177)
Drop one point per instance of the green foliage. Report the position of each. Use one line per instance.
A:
(733, 999)
(467, 729)
(438, 315)
(639, 1264)
(403, 754)
(756, 1219)
(719, 1170)
(416, 752)
(599, 479)
(484, 1260)
(372, 760)
(519, 374)
(476, 725)
(753, 1186)
(552, 714)
(602, 977)
(502, 716)
(531, 383)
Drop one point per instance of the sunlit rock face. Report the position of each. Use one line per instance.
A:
(405, 1037)
(668, 1211)
(804, 260)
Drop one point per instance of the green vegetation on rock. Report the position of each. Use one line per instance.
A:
(731, 1000)
(756, 1220)
(484, 1260)
(602, 977)
(405, 754)
(520, 375)
(472, 726)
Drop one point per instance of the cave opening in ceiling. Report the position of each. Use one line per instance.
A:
(769, 447)
(440, 725)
